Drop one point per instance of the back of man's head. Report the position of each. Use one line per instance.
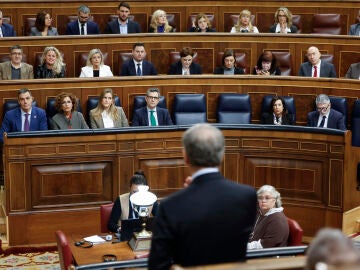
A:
(204, 145)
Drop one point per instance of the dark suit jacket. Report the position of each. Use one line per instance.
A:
(353, 71)
(208, 222)
(335, 121)
(114, 28)
(354, 29)
(128, 68)
(176, 69)
(12, 121)
(141, 117)
(72, 28)
(268, 119)
(220, 70)
(293, 29)
(8, 30)
(326, 70)
(196, 29)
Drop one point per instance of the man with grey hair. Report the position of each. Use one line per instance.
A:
(209, 221)
(15, 69)
(324, 116)
(83, 25)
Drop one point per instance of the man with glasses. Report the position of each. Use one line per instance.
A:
(83, 25)
(315, 67)
(122, 25)
(15, 69)
(6, 30)
(151, 114)
(324, 116)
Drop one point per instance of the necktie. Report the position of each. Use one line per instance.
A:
(138, 70)
(322, 123)
(315, 71)
(26, 123)
(82, 29)
(152, 119)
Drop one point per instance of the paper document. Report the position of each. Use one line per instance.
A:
(95, 239)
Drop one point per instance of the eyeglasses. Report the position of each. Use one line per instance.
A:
(153, 98)
(261, 198)
(323, 108)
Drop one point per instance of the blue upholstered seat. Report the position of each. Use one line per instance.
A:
(289, 103)
(139, 102)
(189, 109)
(234, 109)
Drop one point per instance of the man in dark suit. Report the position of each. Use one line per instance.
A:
(82, 26)
(315, 67)
(25, 117)
(122, 25)
(355, 28)
(209, 221)
(137, 66)
(324, 116)
(151, 114)
(353, 71)
(7, 30)
(185, 66)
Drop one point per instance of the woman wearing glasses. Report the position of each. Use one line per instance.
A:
(271, 228)
(283, 22)
(67, 117)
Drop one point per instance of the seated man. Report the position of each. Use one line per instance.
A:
(315, 67)
(324, 116)
(82, 26)
(137, 66)
(6, 30)
(15, 69)
(25, 117)
(123, 208)
(355, 28)
(151, 114)
(122, 25)
(353, 71)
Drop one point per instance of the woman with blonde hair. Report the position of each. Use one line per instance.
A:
(244, 23)
(51, 64)
(283, 22)
(95, 66)
(107, 114)
(159, 23)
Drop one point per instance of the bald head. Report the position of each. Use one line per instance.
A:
(313, 54)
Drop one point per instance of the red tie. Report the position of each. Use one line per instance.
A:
(315, 71)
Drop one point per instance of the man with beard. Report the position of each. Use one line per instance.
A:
(123, 25)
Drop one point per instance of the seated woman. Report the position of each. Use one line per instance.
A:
(122, 208)
(229, 64)
(43, 25)
(107, 114)
(266, 65)
(67, 117)
(271, 228)
(277, 114)
(201, 24)
(185, 66)
(51, 64)
(159, 23)
(283, 22)
(244, 24)
(95, 65)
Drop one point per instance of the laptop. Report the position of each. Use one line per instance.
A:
(129, 226)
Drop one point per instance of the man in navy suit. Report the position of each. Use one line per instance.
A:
(82, 26)
(151, 114)
(315, 67)
(137, 66)
(353, 71)
(25, 117)
(185, 66)
(355, 28)
(122, 25)
(324, 116)
(210, 221)
(7, 30)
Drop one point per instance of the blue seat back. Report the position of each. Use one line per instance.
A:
(139, 102)
(289, 103)
(234, 109)
(340, 104)
(51, 109)
(93, 101)
(189, 109)
(10, 104)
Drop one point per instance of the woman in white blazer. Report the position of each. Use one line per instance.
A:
(95, 66)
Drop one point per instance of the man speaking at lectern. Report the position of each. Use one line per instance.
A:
(209, 221)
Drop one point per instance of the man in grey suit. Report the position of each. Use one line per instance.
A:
(353, 71)
(315, 67)
(15, 69)
(355, 28)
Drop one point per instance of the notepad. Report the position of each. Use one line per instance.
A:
(95, 239)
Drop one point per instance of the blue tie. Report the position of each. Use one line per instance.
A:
(138, 70)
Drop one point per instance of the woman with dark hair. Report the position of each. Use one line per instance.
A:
(67, 116)
(201, 24)
(278, 113)
(43, 25)
(266, 65)
(123, 208)
(185, 66)
(228, 64)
